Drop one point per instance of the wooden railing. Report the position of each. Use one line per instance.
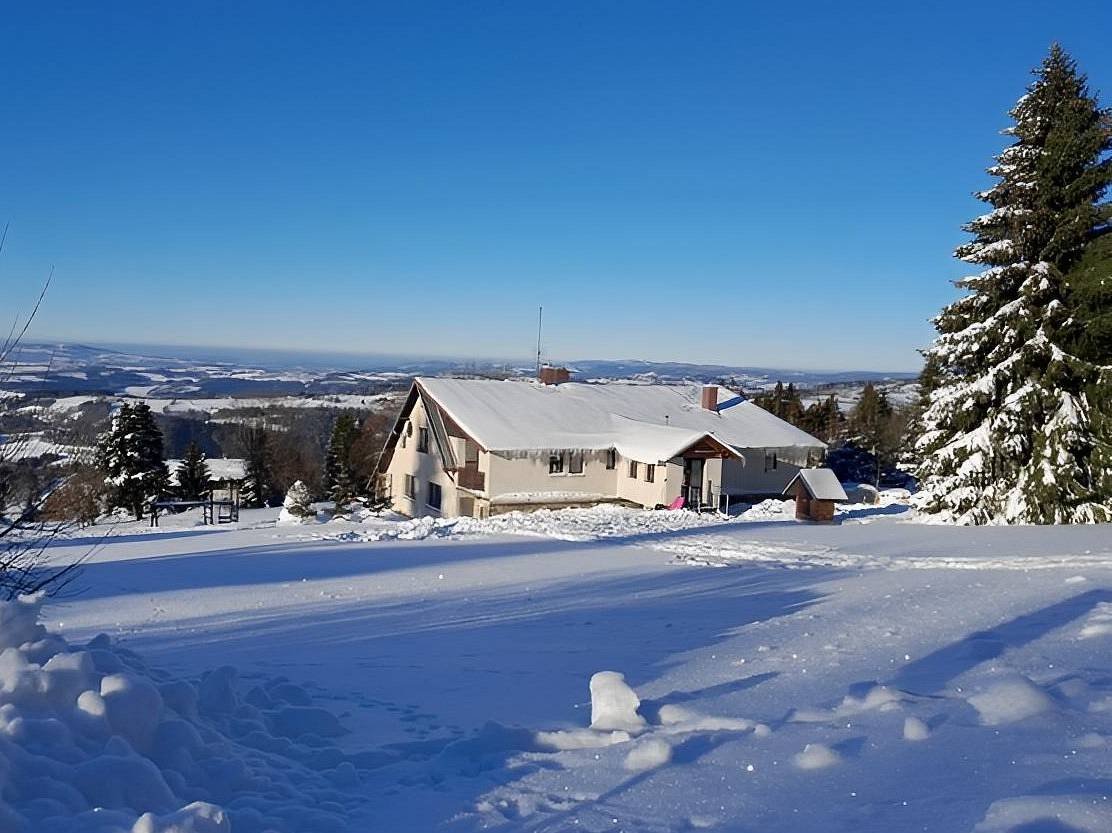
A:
(471, 479)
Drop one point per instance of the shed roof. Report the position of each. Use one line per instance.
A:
(645, 422)
(821, 484)
(220, 468)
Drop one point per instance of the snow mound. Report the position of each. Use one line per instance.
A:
(771, 509)
(816, 756)
(1029, 814)
(614, 704)
(877, 698)
(593, 523)
(915, 729)
(1099, 622)
(92, 741)
(1010, 700)
(648, 754)
(579, 739)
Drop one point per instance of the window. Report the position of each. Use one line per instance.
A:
(411, 487)
(770, 461)
(471, 454)
(611, 459)
(407, 433)
(633, 469)
(556, 464)
(650, 473)
(423, 440)
(575, 463)
(434, 495)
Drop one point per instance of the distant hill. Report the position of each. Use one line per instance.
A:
(169, 372)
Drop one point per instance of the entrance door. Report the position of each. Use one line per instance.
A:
(693, 482)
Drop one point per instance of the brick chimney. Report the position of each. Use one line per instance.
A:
(554, 375)
(710, 397)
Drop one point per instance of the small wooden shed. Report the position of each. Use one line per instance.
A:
(816, 491)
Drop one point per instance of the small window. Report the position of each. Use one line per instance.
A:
(556, 464)
(402, 443)
(650, 473)
(471, 454)
(575, 464)
(434, 495)
(411, 487)
(423, 440)
(770, 461)
(633, 469)
(611, 459)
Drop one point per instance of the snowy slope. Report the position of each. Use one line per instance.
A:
(899, 677)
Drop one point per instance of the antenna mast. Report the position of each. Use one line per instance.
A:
(540, 319)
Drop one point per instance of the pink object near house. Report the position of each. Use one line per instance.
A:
(677, 503)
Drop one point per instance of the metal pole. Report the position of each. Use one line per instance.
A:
(540, 319)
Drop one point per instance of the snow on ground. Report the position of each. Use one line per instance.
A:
(877, 676)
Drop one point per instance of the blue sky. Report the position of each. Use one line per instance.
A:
(763, 184)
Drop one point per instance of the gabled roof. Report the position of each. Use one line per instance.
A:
(654, 443)
(650, 423)
(821, 484)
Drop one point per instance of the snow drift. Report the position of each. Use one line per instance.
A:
(92, 741)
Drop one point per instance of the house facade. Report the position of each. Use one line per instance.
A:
(470, 447)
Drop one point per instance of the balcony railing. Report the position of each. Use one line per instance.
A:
(471, 479)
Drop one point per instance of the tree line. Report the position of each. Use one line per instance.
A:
(128, 470)
(867, 441)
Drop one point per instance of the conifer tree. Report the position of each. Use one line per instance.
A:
(1009, 433)
(258, 484)
(339, 475)
(777, 400)
(297, 507)
(793, 405)
(870, 418)
(129, 454)
(1090, 284)
(783, 402)
(193, 474)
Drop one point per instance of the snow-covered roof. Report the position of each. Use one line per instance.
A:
(649, 423)
(220, 468)
(822, 484)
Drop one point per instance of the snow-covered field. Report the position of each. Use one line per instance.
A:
(880, 675)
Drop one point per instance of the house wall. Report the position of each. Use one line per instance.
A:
(752, 479)
(669, 478)
(530, 474)
(427, 468)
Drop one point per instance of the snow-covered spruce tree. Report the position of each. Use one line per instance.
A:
(1010, 432)
(193, 474)
(337, 460)
(343, 493)
(129, 454)
(297, 507)
(258, 484)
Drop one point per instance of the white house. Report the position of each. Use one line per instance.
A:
(475, 447)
